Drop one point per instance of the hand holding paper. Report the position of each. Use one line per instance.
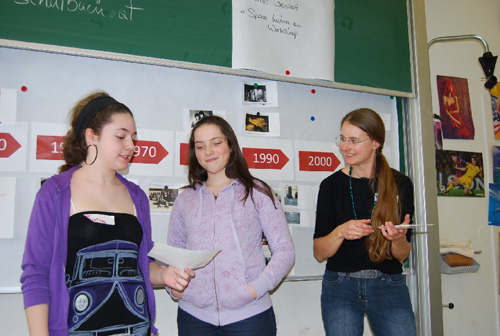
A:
(182, 258)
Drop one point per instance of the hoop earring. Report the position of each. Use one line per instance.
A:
(86, 152)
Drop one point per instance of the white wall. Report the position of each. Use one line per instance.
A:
(475, 295)
(158, 96)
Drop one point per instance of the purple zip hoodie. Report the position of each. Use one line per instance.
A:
(218, 293)
(44, 260)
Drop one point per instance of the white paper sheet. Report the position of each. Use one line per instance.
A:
(13, 136)
(277, 36)
(181, 258)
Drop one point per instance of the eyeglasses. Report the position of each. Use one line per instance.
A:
(353, 142)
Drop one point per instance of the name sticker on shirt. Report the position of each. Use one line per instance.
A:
(101, 219)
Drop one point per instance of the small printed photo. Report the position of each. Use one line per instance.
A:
(197, 115)
(265, 249)
(494, 205)
(262, 124)
(495, 109)
(291, 195)
(42, 180)
(459, 173)
(277, 193)
(257, 123)
(260, 94)
(162, 198)
(496, 164)
(192, 116)
(255, 93)
(292, 217)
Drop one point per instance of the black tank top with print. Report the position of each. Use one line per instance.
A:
(106, 286)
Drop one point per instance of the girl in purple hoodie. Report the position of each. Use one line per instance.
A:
(85, 265)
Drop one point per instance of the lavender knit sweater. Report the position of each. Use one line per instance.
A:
(218, 294)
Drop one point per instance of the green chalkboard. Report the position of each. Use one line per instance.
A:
(372, 44)
(194, 31)
(371, 36)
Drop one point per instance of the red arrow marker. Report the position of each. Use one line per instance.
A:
(148, 152)
(49, 147)
(265, 158)
(8, 145)
(183, 151)
(318, 161)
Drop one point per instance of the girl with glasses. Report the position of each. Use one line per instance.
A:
(357, 210)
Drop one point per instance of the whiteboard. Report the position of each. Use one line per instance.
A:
(159, 98)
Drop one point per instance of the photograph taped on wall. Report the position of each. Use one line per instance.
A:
(257, 123)
(459, 173)
(454, 108)
(162, 198)
(494, 205)
(495, 109)
(291, 195)
(495, 153)
(197, 115)
(292, 217)
(265, 249)
(277, 193)
(262, 123)
(192, 116)
(260, 94)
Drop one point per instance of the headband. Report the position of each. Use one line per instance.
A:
(90, 110)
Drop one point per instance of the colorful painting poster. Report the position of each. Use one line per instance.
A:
(494, 206)
(454, 108)
(495, 152)
(495, 109)
(459, 173)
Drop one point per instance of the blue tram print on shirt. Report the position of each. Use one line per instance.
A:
(107, 292)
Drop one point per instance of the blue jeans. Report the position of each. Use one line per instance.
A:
(384, 299)
(263, 324)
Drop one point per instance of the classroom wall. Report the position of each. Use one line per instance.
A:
(475, 295)
(158, 96)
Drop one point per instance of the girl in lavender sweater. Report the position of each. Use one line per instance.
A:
(225, 207)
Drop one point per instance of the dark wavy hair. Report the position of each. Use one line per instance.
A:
(236, 167)
(387, 208)
(74, 147)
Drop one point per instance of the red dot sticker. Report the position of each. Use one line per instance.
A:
(313, 91)
(24, 88)
(287, 72)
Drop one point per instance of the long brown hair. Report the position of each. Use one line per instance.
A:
(236, 168)
(388, 207)
(75, 145)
